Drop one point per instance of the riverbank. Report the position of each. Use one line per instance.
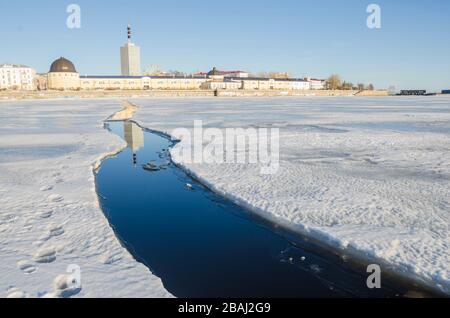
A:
(24, 95)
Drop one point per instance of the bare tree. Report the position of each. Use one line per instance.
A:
(347, 86)
(176, 73)
(334, 82)
(370, 87)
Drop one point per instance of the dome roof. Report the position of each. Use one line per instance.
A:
(62, 65)
(214, 72)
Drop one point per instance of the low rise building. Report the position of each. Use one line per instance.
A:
(140, 83)
(17, 77)
(261, 83)
(256, 83)
(112, 82)
(177, 83)
(295, 84)
(222, 85)
(317, 84)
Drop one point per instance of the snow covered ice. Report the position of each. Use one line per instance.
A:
(369, 175)
(366, 175)
(50, 217)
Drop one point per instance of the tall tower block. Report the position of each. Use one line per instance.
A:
(130, 57)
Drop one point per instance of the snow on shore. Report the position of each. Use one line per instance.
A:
(370, 175)
(50, 219)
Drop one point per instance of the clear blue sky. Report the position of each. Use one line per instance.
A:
(317, 38)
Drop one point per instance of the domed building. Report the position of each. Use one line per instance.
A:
(214, 72)
(217, 81)
(215, 75)
(63, 75)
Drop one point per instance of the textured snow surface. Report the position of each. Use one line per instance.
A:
(370, 175)
(49, 212)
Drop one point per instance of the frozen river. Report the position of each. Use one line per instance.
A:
(367, 176)
(202, 245)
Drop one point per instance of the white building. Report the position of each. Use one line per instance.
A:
(300, 85)
(130, 58)
(317, 84)
(224, 85)
(235, 74)
(17, 77)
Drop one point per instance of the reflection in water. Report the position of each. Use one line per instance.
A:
(134, 136)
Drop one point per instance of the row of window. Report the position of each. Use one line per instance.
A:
(15, 76)
(134, 83)
(65, 74)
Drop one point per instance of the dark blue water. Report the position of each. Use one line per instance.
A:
(201, 245)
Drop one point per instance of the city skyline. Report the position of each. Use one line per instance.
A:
(409, 51)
